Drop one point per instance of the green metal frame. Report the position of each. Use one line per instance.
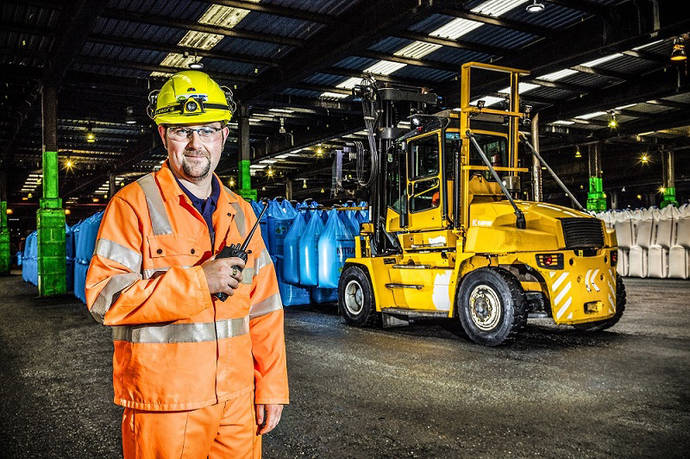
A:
(50, 223)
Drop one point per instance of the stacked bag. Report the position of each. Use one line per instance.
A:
(652, 242)
(309, 247)
(85, 233)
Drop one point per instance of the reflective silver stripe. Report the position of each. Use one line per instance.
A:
(270, 304)
(248, 275)
(264, 259)
(239, 217)
(110, 292)
(118, 253)
(182, 333)
(154, 201)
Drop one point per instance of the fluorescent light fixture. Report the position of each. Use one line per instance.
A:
(588, 116)
(349, 83)
(563, 122)
(417, 50)
(268, 161)
(455, 29)
(623, 107)
(283, 156)
(601, 60)
(522, 87)
(257, 166)
(488, 100)
(557, 75)
(637, 48)
(384, 67)
(496, 8)
(333, 95)
(281, 110)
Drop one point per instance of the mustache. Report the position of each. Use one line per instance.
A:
(203, 153)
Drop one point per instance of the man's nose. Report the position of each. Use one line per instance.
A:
(194, 141)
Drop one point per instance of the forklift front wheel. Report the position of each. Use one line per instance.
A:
(356, 297)
(491, 306)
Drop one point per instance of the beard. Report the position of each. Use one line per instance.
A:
(197, 169)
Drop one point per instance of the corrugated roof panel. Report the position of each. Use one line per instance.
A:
(649, 108)
(111, 70)
(251, 47)
(122, 53)
(237, 68)
(499, 36)
(17, 13)
(389, 45)
(587, 79)
(431, 23)
(325, 79)
(330, 7)
(457, 56)
(277, 25)
(423, 73)
(300, 92)
(32, 62)
(25, 41)
(554, 16)
(627, 64)
(549, 93)
(179, 9)
(682, 98)
(125, 29)
(356, 63)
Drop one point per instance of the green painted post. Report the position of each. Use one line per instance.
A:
(5, 255)
(669, 198)
(50, 218)
(246, 190)
(596, 199)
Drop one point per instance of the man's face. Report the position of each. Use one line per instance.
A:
(193, 157)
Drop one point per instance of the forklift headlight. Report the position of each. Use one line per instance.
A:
(550, 260)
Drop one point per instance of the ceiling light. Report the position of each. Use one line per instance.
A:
(9, 211)
(270, 172)
(304, 184)
(644, 159)
(613, 122)
(535, 7)
(661, 190)
(323, 190)
(231, 182)
(67, 211)
(678, 52)
(196, 65)
(69, 164)
(578, 155)
(90, 136)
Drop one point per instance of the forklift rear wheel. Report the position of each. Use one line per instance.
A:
(620, 308)
(356, 297)
(491, 306)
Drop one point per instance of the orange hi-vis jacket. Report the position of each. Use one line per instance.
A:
(176, 346)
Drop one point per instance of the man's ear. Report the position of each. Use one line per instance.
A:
(161, 131)
(226, 134)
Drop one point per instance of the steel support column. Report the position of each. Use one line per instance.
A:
(537, 193)
(288, 189)
(112, 187)
(5, 254)
(596, 198)
(245, 190)
(669, 179)
(50, 218)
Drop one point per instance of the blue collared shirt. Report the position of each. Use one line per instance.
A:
(207, 206)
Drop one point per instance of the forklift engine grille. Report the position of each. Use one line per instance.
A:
(582, 233)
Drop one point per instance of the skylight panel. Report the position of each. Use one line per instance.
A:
(496, 8)
(637, 48)
(384, 67)
(522, 87)
(349, 83)
(588, 116)
(601, 60)
(417, 50)
(333, 95)
(488, 100)
(558, 75)
(456, 28)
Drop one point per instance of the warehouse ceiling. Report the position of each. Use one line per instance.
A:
(292, 64)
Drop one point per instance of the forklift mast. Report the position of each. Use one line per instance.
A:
(383, 109)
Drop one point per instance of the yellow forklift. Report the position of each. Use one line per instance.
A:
(448, 236)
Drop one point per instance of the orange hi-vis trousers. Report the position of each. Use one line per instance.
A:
(225, 430)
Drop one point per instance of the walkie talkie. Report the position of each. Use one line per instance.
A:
(239, 251)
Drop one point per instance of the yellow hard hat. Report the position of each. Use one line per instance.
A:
(191, 97)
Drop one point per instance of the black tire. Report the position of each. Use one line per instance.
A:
(356, 298)
(620, 309)
(501, 311)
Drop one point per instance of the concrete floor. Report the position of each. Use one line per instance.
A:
(413, 392)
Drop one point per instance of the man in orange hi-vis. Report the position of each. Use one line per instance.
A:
(196, 376)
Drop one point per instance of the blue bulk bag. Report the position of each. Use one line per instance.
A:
(19, 255)
(336, 244)
(277, 228)
(288, 208)
(263, 223)
(308, 252)
(290, 295)
(342, 215)
(324, 295)
(30, 259)
(291, 263)
(69, 256)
